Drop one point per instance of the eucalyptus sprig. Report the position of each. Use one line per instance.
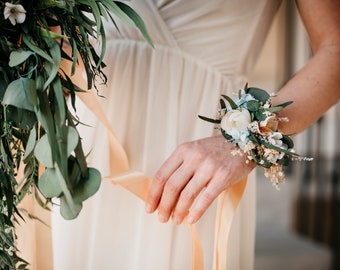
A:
(40, 148)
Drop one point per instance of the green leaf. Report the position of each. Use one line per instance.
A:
(222, 104)
(253, 105)
(18, 57)
(17, 94)
(94, 10)
(30, 144)
(50, 34)
(49, 185)
(215, 121)
(60, 108)
(27, 39)
(72, 207)
(231, 102)
(6, 238)
(69, 212)
(226, 135)
(45, 4)
(278, 108)
(22, 119)
(87, 187)
(6, 259)
(253, 139)
(268, 145)
(52, 67)
(287, 140)
(43, 152)
(72, 140)
(260, 115)
(137, 21)
(113, 7)
(258, 94)
(285, 104)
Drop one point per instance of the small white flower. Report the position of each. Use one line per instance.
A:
(15, 13)
(235, 123)
(275, 139)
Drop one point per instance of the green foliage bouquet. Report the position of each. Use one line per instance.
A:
(36, 126)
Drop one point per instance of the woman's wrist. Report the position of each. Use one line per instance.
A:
(250, 122)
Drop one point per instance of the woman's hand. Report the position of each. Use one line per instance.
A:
(205, 166)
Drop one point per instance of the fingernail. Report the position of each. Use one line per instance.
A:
(176, 221)
(148, 208)
(190, 220)
(161, 218)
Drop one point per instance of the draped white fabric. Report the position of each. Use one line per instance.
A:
(152, 99)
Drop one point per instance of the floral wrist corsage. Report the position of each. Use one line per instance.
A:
(251, 123)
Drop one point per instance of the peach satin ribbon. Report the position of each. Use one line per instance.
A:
(37, 248)
(138, 184)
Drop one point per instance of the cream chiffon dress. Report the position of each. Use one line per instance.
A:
(202, 48)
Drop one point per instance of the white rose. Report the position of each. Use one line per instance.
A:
(235, 123)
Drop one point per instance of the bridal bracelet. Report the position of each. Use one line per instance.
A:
(251, 123)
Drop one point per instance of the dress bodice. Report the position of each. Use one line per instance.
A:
(152, 98)
(225, 35)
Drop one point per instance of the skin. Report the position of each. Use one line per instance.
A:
(207, 167)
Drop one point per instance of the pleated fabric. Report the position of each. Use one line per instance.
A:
(152, 99)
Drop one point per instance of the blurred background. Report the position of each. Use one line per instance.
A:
(298, 227)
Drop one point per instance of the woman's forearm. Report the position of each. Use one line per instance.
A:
(313, 90)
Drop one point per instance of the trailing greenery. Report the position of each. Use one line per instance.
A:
(40, 150)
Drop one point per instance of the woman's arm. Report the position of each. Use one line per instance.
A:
(316, 87)
(207, 166)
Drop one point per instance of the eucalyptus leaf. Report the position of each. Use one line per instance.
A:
(20, 118)
(30, 144)
(137, 20)
(72, 140)
(226, 135)
(72, 206)
(88, 187)
(258, 94)
(287, 140)
(48, 184)
(94, 9)
(30, 44)
(253, 105)
(18, 57)
(43, 152)
(279, 149)
(52, 67)
(215, 121)
(260, 115)
(69, 212)
(222, 104)
(17, 94)
(231, 102)
(113, 7)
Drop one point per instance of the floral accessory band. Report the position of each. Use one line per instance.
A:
(251, 123)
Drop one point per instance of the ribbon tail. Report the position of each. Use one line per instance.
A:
(228, 202)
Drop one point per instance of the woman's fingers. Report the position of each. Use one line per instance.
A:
(188, 196)
(192, 178)
(172, 190)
